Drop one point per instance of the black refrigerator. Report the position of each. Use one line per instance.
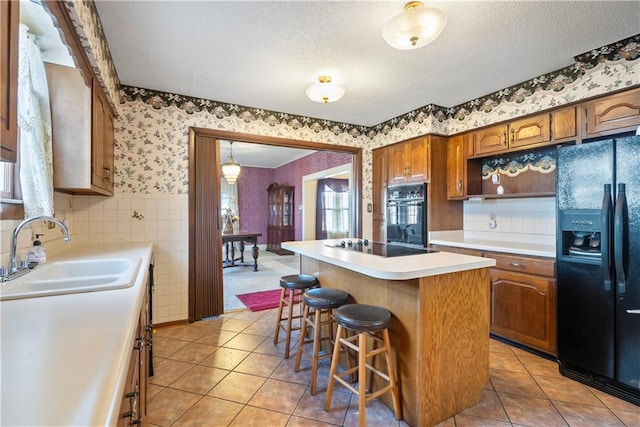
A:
(598, 264)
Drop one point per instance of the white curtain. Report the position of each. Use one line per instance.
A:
(229, 198)
(34, 122)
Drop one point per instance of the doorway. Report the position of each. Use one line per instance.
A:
(205, 238)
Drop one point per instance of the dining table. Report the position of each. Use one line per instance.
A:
(242, 237)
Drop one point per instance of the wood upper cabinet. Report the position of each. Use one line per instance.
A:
(101, 141)
(408, 161)
(564, 124)
(9, 22)
(519, 133)
(613, 114)
(379, 194)
(457, 151)
(523, 300)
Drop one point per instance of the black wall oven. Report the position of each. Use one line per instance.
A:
(407, 215)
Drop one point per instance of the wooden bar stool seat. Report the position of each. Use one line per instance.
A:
(318, 302)
(293, 286)
(369, 322)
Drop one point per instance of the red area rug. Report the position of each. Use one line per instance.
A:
(263, 300)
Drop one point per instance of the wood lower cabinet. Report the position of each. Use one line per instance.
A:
(613, 114)
(9, 22)
(523, 300)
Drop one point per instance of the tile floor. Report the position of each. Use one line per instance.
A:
(226, 372)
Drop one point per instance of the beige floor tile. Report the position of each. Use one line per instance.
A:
(235, 325)
(462, 420)
(252, 316)
(489, 407)
(168, 405)
(613, 402)
(449, 422)
(585, 416)
(515, 383)
(278, 395)
(225, 358)
(167, 371)
(216, 337)
(538, 366)
(566, 390)
(377, 414)
(261, 328)
(630, 419)
(258, 364)
(164, 347)
(210, 412)
(496, 346)
(267, 347)
(153, 389)
(306, 422)
(260, 417)
(200, 379)
(312, 407)
(531, 411)
(193, 352)
(237, 387)
(245, 342)
(505, 362)
(185, 332)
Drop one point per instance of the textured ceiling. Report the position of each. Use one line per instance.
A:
(264, 54)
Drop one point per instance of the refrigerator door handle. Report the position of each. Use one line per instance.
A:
(636, 311)
(605, 237)
(618, 238)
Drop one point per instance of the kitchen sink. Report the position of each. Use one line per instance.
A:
(73, 276)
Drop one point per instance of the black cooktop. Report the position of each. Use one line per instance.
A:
(379, 248)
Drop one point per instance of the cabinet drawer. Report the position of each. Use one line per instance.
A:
(457, 250)
(538, 266)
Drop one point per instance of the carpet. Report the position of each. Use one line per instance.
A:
(262, 300)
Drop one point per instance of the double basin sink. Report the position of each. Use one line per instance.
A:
(73, 276)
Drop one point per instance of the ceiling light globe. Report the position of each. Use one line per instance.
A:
(415, 27)
(325, 91)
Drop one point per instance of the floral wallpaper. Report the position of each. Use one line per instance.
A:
(152, 127)
(514, 164)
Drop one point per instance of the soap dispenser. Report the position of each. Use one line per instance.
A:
(37, 253)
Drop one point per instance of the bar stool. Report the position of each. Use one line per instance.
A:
(367, 321)
(318, 302)
(293, 287)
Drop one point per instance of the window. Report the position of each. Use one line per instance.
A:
(332, 209)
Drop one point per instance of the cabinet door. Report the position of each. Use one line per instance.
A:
(456, 160)
(9, 21)
(99, 112)
(523, 308)
(417, 159)
(529, 131)
(379, 194)
(615, 113)
(491, 139)
(397, 168)
(108, 150)
(563, 124)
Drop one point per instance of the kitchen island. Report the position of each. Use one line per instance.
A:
(440, 324)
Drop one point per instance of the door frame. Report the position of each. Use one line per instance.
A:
(205, 286)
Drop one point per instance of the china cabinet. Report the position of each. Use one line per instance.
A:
(280, 227)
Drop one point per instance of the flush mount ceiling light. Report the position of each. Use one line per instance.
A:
(231, 169)
(325, 91)
(417, 26)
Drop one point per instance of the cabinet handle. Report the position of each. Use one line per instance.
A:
(513, 136)
(108, 175)
(459, 185)
(140, 343)
(517, 264)
(506, 139)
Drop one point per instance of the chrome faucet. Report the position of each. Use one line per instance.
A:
(13, 267)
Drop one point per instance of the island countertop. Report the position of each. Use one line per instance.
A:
(396, 268)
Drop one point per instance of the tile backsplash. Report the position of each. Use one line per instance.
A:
(521, 215)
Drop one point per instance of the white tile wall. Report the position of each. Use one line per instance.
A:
(526, 215)
(97, 219)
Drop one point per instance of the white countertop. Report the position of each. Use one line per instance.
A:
(396, 268)
(65, 357)
(522, 244)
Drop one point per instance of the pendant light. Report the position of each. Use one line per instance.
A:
(416, 27)
(325, 90)
(231, 168)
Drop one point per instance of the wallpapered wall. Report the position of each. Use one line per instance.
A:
(253, 183)
(151, 139)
